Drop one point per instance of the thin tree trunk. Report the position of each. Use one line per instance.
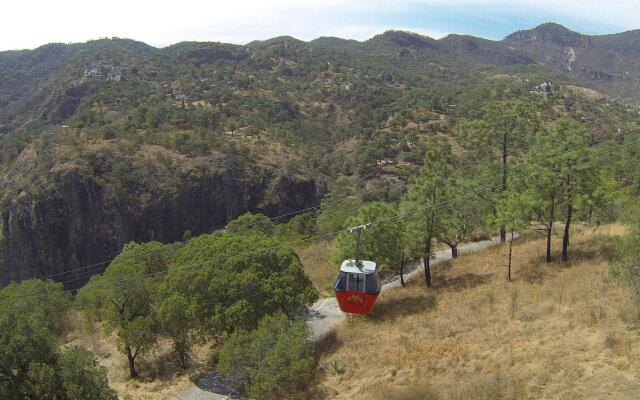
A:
(402, 270)
(510, 253)
(427, 246)
(550, 226)
(567, 226)
(454, 250)
(549, 233)
(503, 234)
(132, 365)
(427, 261)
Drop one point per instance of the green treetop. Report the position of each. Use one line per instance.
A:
(382, 242)
(231, 280)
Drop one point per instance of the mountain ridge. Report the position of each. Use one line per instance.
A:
(105, 142)
(605, 62)
(542, 31)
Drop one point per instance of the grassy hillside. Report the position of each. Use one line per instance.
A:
(558, 331)
(318, 264)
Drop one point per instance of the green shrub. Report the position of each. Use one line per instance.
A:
(272, 359)
(31, 315)
(82, 377)
(252, 222)
(336, 367)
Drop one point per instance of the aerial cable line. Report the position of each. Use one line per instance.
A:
(399, 216)
(88, 269)
(332, 233)
(403, 215)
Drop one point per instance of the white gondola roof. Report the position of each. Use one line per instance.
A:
(349, 266)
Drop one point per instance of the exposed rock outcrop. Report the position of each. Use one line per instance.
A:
(83, 219)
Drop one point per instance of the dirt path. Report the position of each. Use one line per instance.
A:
(324, 314)
(195, 393)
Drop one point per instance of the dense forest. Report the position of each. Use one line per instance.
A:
(170, 190)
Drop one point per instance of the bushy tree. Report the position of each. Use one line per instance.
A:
(31, 315)
(382, 242)
(92, 298)
(271, 359)
(44, 301)
(565, 178)
(505, 128)
(27, 342)
(31, 320)
(82, 377)
(177, 319)
(252, 222)
(513, 211)
(628, 269)
(421, 204)
(460, 213)
(299, 227)
(240, 277)
(126, 294)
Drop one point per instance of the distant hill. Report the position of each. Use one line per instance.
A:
(335, 42)
(609, 63)
(114, 140)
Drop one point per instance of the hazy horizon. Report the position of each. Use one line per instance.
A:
(307, 40)
(31, 23)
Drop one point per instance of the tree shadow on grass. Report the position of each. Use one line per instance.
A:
(403, 305)
(600, 247)
(163, 367)
(461, 282)
(594, 249)
(328, 344)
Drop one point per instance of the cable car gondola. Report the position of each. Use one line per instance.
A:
(358, 284)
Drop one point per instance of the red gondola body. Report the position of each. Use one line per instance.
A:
(356, 302)
(357, 287)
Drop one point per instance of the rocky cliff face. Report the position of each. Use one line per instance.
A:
(607, 62)
(552, 33)
(79, 221)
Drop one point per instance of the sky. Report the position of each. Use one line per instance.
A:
(26, 24)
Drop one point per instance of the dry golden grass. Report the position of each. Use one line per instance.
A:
(316, 259)
(563, 331)
(559, 331)
(160, 379)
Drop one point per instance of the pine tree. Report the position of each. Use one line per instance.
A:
(420, 205)
(505, 129)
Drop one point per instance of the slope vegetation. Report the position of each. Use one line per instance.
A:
(557, 331)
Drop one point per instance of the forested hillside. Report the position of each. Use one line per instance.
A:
(113, 140)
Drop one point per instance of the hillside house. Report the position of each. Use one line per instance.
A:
(544, 88)
(92, 73)
(384, 162)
